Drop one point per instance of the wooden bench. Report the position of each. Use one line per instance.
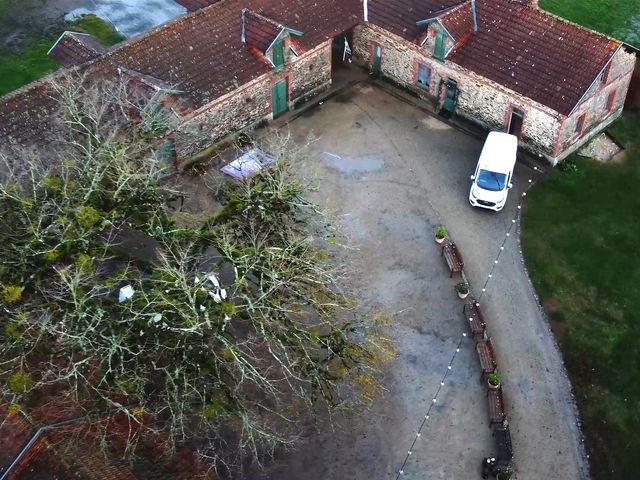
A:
(487, 357)
(504, 447)
(475, 319)
(453, 257)
(497, 414)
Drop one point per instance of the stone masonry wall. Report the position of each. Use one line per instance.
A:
(310, 73)
(595, 105)
(251, 103)
(480, 100)
(244, 107)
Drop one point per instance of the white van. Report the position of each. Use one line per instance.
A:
(492, 180)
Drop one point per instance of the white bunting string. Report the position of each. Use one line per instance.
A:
(434, 400)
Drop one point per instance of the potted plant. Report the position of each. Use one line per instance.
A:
(441, 233)
(504, 473)
(463, 289)
(494, 379)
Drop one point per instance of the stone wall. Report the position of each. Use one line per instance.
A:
(310, 73)
(595, 107)
(479, 100)
(244, 107)
(251, 104)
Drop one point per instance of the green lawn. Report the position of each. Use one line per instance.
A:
(619, 18)
(580, 240)
(19, 68)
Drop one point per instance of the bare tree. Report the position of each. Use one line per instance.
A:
(220, 336)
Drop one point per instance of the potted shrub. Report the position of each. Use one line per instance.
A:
(504, 473)
(463, 289)
(441, 233)
(494, 380)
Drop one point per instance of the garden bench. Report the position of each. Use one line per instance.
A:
(475, 319)
(452, 255)
(502, 437)
(487, 357)
(497, 413)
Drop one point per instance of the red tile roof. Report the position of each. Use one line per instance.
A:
(535, 54)
(458, 20)
(62, 453)
(74, 48)
(400, 16)
(521, 47)
(15, 431)
(260, 32)
(201, 54)
(193, 5)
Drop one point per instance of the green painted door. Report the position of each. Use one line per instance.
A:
(279, 98)
(377, 59)
(450, 98)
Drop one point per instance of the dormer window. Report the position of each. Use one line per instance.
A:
(267, 39)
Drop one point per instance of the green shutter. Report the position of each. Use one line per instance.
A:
(438, 51)
(278, 54)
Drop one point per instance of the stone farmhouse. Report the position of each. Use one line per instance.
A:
(230, 65)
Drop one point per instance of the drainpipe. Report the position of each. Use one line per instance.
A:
(32, 440)
(243, 37)
(366, 10)
(475, 15)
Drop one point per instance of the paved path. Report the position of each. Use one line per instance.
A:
(391, 173)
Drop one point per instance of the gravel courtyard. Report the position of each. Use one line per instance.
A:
(391, 173)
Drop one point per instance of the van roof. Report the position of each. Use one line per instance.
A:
(499, 152)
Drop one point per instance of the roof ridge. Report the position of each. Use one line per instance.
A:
(445, 11)
(262, 17)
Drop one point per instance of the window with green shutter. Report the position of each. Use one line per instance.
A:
(278, 54)
(438, 51)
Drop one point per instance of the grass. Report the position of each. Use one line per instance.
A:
(31, 63)
(580, 240)
(97, 27)
(618, 18)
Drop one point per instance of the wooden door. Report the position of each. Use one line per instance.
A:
(450, 98)
(279, 98)
(515, 123)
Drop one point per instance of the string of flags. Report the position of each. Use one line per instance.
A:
(434, 400)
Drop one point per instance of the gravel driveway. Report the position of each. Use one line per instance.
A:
(391, 173)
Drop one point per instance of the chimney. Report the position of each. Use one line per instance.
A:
(475, 15)
(365, 4)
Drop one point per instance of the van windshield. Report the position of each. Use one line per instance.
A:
(491, 181)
